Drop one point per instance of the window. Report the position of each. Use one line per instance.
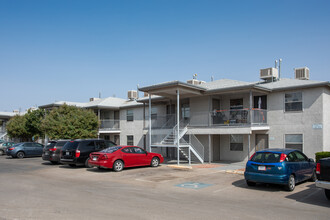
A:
(139, 150)
(293, 101)
(185, 109)
(294, 141)
(153, 113)
(130, 115)
(236, 104)
(236, 142)
(128, 150)
(130, 140)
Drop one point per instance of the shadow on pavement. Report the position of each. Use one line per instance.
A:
(260, 186)
(312, 196)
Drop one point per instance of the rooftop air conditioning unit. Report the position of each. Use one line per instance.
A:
(93, 99)
(301, 73)
(195, 82)
(268, 73)
(132, 94)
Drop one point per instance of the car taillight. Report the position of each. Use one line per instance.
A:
(318, 168)
(52, 149)
(103, 157)
(77, 153)
(12, 148)
(282, 158)
(252, 156)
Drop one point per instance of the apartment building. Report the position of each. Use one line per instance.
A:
(222, 120)
(228, 120)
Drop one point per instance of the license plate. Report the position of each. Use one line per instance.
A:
(94, 158)
(46, 153)
(263, 168)
(67, 153)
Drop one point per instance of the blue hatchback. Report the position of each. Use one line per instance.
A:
(279, 166)
(25, 149)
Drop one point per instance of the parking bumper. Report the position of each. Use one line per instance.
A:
(266, 178)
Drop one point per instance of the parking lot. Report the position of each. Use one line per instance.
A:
(35, 189)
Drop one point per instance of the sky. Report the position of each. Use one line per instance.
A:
(72, 50)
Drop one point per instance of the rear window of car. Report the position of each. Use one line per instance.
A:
(61, 143)
(266, 157)
(71, 145)
(110, 149)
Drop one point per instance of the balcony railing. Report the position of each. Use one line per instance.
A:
(109, 124)
(237, 117)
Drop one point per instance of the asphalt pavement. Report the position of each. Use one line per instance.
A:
(34, 189)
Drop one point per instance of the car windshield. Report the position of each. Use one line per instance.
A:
(61, 143)
(266, 157)
(110, 149)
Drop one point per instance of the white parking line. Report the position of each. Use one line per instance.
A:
(144, 180)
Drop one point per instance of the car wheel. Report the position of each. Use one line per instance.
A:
(249, 183)
(87, 165)
(313, 178)
(118, 166)
(155, 162)
(2, 152)
(72, 165)
(291, 183)
(20, 155)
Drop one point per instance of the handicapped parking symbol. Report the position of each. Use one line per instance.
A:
(193, 185)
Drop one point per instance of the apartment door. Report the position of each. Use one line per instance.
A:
(261, 141)
(216, 147)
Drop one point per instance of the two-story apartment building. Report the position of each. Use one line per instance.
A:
(222, 120)
(229, 120)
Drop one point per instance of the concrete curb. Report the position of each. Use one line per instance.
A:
(178, 167)
(235, 172)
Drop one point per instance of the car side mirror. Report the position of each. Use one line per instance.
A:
(311, 160)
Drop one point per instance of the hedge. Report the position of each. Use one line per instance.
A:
(320, 155)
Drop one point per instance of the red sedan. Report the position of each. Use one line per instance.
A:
(118, 157)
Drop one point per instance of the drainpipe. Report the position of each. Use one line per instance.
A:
(99, 117)
(178, 122)
(149, 122)
(251, 115)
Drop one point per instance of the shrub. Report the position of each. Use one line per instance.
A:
(320, 155)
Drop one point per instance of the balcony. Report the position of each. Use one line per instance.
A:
(109, 124)
(224, 118)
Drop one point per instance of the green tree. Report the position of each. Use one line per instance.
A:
(16, 128)
(70, 122)
(33, 122)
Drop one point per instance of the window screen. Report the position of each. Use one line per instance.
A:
(293, 101)
(294, 141)
(236, 142)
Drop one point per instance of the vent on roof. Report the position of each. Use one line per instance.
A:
(268, 73)
(132, 94)
(195, 82)
(301, 73)
(93, 99)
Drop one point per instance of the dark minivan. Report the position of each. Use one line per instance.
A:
(77, 152)
(52, 151)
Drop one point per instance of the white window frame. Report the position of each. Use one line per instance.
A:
(230, 142)
(129, 115)
(127, 143)
(302, 102)
(302, 139)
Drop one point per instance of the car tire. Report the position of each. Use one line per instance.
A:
(313, 178)
(291, 183)
(249, 183)
(72, 165)
(327, 193)
(155, 162)
(2, 152)
(118, 166)
(87, 165)
(20, 154)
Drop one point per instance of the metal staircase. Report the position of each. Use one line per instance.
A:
(185, 147)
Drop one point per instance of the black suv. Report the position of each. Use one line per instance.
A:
(77, 152)
(52, 151)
